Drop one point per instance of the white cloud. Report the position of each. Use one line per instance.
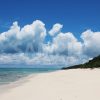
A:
(27, 45)
(20, 40)
(65, 44)
(41, 59)
(55, 29)
(91, 43)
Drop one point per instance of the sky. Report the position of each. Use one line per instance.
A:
(35, 31)
(75, 15)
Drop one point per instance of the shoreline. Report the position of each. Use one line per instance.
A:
(19, 82)
(74, 84)
(11, 85)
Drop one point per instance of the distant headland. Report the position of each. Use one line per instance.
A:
(94, 63)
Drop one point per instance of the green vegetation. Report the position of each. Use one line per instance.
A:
(94, 63)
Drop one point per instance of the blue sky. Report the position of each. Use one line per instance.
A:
(49, 32)
(75, 15)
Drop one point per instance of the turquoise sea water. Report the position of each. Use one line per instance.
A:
(8, 75)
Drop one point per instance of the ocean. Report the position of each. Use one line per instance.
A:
(8, 75)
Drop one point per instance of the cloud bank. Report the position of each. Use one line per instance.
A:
(28, 45)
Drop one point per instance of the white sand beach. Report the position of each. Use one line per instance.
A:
(74, 84)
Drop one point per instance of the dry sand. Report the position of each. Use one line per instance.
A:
(74, 84)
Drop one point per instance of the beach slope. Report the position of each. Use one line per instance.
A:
(74, 84)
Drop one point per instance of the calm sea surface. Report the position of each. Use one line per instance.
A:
(8, 75)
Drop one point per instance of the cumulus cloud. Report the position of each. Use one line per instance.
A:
(91, 43)
(27, 45)
(64, 44)
(29, 38)
(55, 29)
